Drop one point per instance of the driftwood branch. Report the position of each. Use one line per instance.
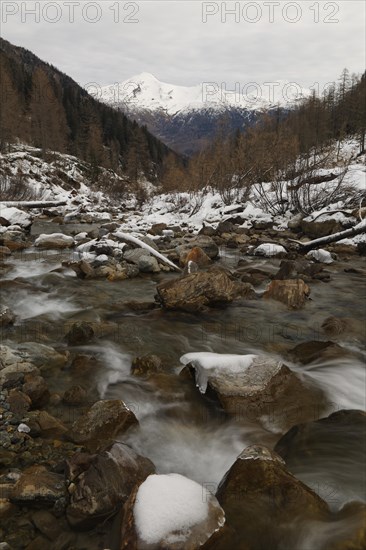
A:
(316, 243)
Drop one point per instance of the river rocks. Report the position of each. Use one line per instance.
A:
(37, 485)
(307, 352)
(47, 524)
(82, 269)
(7, 317)
(43, 424)
(321, 256)
(315, 451)
(197, 291)
(75, 396)
(79, 334)
(148, 264)
(264, 503)
(295, 222)
(54, 241)
(148, 364)
(205, 243)
(14, 239)
(19, 402)
(345, 327)
(42, 356)
(99, 484)
(36, 388)
(5, 252)
(297, 269)
(270, 250)
(171, 512)
(255, 388)
(320, 227)
(158, 228)
(196, 255)
(291, 292)
(102, 423)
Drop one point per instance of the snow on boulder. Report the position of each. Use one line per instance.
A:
(16, 216)
(254, 388)
(171, 511)
(321, 256)
(269, 249)
(54, 240)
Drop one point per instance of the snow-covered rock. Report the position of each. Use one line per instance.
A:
(321, 256)
(15, 216)
(269, 250)
(54, 240)
(173, 512)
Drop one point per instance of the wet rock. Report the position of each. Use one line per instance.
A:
(148, 364)
(295, 223)
(5, 252)
(42, 356)
(337, 327)
(76, 395)
(47, 524)
(37, 485)
(207, 244)
(134, 255)
(170, 512)
(54, 241)
(195, 254)
(270, 250)
(291, 292)
(36, 388)
(254, 276)
(14, 239)
(307, 352)
(79, 334)
(297, 269)
(148, 264)
(265, 392)
(195, 292)
(207, 230)
(7, 317)
(19, 402)
(264, 503)
(352, 533)
(102, 423)
(134, 305)
(224, 227)
(82, 269)
(320, 227)
(318, 446)
(158, 228)
(99, 484)
(44, 424)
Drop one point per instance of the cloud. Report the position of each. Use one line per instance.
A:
(171, 41)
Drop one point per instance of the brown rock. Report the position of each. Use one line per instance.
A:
(102, 423)
(43, 423)
(99, 484)
(158, 228)
(264, 503)
(7, 317)
(148, 364)
(37, 484)
(200, 290)
(5, 252)
(291, 292)
(36, 388)
(19, 402)
(76, 395)
(311, 351)
(196, 255)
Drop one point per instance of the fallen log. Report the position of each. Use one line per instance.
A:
(316, 243)
(130, 238)
(33, 204)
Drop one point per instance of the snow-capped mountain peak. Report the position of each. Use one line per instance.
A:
(145, 92)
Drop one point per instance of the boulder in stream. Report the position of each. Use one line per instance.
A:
(197, 291)
(291, 292)
(101, 423)
(100, 484)
(54, 241)
(264, 504)
(170, 512)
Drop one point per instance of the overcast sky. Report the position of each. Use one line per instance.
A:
(303, 42)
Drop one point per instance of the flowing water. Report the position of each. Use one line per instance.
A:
(180, 431)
